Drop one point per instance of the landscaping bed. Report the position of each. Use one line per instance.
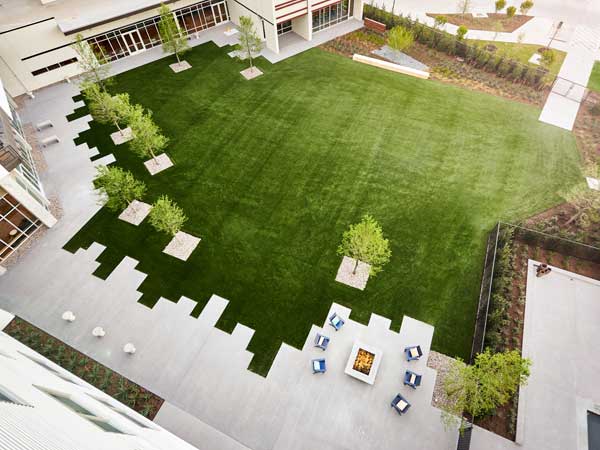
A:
(587, 129)
(101, 377)
(446, 68)
(507, 305)
(494, 21)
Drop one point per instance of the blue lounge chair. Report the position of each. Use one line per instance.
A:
(413, 352)
(318, 366)
(400, 404)
(321, 341)
(336, 321)
(412, 379)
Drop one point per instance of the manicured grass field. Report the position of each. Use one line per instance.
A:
(594, 82)
(272, 171)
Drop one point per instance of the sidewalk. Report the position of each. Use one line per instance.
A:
(568, 92)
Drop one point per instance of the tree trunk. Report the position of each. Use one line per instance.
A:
(118, 127)
(355, 267)
(573, 217)
(153, 156)
(177, 56)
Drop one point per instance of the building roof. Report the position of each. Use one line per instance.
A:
(71, 15)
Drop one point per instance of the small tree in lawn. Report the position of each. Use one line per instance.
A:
(511, 11)
(461, 32)
(250, 42)
(364, 242)
(173, 39)
(94, 65)
(112, 109)
(499, 5)
(526, 6)
(464, 6)
(399, 38)
(147, 138)
(165, 216)
(478, 389)
(119, 186)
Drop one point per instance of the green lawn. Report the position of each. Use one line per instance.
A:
(272, 171)
(594, 83)
(523, 52)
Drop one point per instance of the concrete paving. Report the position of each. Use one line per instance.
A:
(568, 92)
(561, 337)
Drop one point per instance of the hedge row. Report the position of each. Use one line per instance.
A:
(475, 55)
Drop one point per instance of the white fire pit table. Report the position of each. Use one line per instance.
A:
(364, 362)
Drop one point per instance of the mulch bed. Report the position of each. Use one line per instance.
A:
(506, 24)
(444, 67)
(587, 128)
(113, 384)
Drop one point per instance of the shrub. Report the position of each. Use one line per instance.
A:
(461, 32)
(595, 110)
(547, 57)
(440, 21)
(511, 11)
(526, 6)
(500, 5)
(399, 38)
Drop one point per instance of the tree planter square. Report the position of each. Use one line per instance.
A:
(182, 245)
(159, 164)
(180, 66)
(136, 212)
(251, 72)
(120, 137)
(356, 280)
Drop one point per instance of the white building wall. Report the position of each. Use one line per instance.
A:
(45, 422)
(39, 38)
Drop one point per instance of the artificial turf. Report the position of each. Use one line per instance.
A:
(272, 171)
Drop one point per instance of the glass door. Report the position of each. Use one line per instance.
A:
(133, 41)
(219, 13)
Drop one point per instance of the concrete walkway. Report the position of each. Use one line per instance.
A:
(569, 90)
(561, 336)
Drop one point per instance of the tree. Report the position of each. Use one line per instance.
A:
(464, 6)
(478, 389)
(500, 5)
(250, 43)
(119, 186)
(547, 57)
(147, 138)
(92, 62)
(173, 39)
(511, 11)
(113, 109)
(439, 22)
(364, 242)
(166, 216)
(461, 32)
(399, 38)
(526, 6)
(584, 200)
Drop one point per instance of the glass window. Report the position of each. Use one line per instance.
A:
(117, 44)
(330, 15)
(284, 27)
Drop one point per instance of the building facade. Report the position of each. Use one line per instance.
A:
(24, 207)
(44, 407)
(36, 36)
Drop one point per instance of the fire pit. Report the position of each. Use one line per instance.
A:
(363, 362)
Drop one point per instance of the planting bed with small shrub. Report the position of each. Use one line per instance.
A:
(494, 21)
(113, 384)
